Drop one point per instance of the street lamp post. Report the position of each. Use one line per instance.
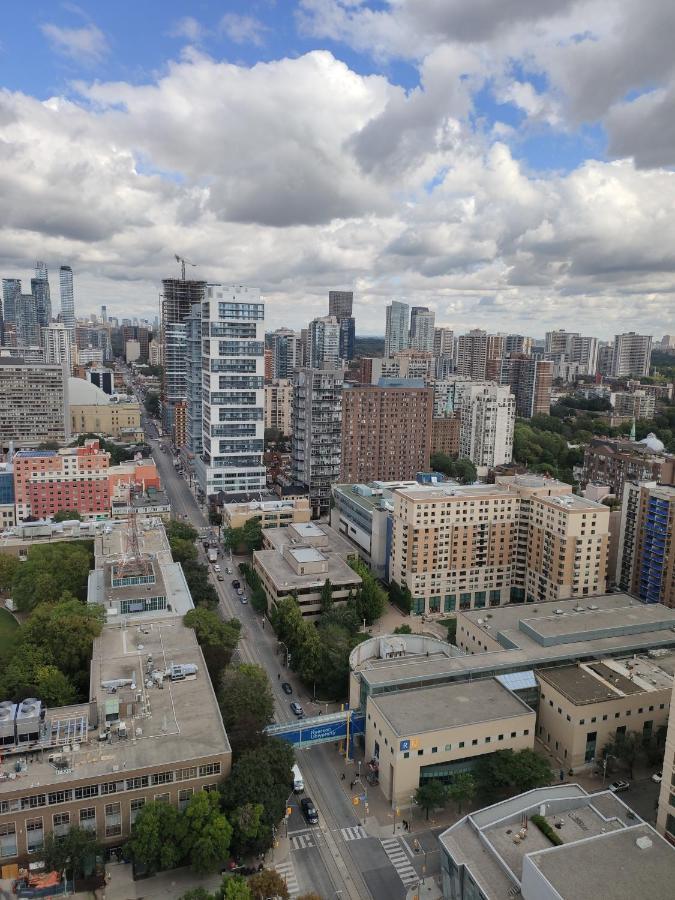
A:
(605, 760)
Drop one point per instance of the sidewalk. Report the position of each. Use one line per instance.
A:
(164, 886)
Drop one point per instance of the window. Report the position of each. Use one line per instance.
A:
(500, 737)
(161, 778)
(59, 797)
(209, 769)
(135, 784)
(8, 846)
(487, 740)
(112, 787)
(34, 835)
(434, 749)
(465, 601)
(461, 745)
(186, 774)
(134, 808)
(88, 818)
(420, 752)
(449, 604)
(163, 798)
(513, 734)
(89, 790)
(61, 824)
(406, 755)
(184, 797)
(33, 802)
(113, 819)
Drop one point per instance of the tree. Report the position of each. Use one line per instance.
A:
(463, 470)
(8, 567)
(430, 795)
(198, 893)
(51, 569)
(53, 687)
(267, 884)
(248, 824)
(246, 705)
(183, 551)
(462, 789)
(66, 631)
(326, 597)
(65, 515)
(215, 517)
(207, 833)
(403, 629)
(371, 598)
(509, 772)
(451, 625)
(152, 405)
(157, 837)
(400, 597)
(627, 747)
(234, 887)
(74, 852)
(176, 530)
(217, 639)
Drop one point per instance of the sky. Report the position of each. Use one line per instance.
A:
(507, 163)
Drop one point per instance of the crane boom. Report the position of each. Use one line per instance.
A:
(183, 262)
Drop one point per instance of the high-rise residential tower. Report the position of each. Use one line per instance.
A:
(193, 380)
(646, 560)
(233, 376)
(422, 329)
(479, 354)
(178, 298)
(57, 345)
(27, 325)
(324, 343)
(632, 354)
(530, 381)
(39, 287)
(396, 335)
(488, 417)
(67, 297)
(286, 347)
(316, 422)
(11, 290)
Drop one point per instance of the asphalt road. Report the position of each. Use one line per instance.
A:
(642, 797)
(335, 858)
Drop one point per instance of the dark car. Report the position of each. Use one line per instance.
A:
(236, 583)
(286, 688)
(220, 576)
(309, 811)
(297, 709)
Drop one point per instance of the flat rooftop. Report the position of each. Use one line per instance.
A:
(303, 533)
(284, 578)
(172, 725)
(307, 555)
(371, 497)
(599, 856)
(628, 627)
(597, 682)
(448, 706)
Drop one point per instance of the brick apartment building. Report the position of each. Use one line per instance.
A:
(614, 463)
(47, 481)
(386, 431)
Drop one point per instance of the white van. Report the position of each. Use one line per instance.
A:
(298, 783)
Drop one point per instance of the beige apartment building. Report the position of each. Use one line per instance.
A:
(525, 538)
(278, 405)
(439, 732)
(582, 707)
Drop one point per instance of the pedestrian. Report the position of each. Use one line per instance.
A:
(342, 777)
(278, 676)
(351, 785)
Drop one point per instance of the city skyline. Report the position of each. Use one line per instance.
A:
(505, 167)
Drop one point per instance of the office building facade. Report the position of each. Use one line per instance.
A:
(316, 423)
(386, 431)
(67, 291)
(39, 288)
(233, 423)
(397, 324)
(324, 343)
(11, 288)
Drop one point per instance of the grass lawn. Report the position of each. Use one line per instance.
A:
(8, 626)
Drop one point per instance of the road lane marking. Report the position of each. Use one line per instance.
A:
(355, 833)
(399, 860)
(287, 872)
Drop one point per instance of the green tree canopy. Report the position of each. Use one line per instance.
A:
(8, 568)
(463, 470)
(50, 570)
(462, 789)
(207, 833)
(157, 837)
(266, 884)
(326, 596)
(509, 772)
(246, 705)
(152, 405)
(627, 747)
(217, 639)
(235, 887)
(430, 795)
(65, 515)
(74, 852)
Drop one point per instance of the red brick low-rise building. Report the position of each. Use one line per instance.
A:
(48, 481)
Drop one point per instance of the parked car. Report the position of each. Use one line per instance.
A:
(657, 777)
(297, 709)
(235, 583)
(309, 811)
(228, 570)
(286, 688)
(243, 600)
(216, 568)
(221, 577)
(616, 787)
(240, 592)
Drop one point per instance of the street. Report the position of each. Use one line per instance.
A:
(336, 857)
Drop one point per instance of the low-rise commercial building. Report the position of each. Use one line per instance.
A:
(270, 513)
(605, 850)
(300, 559)
(151, 729)
(150, 502)
(582, 707)
(92, 411)
(434, 734)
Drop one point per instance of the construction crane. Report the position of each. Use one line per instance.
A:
(183, 262)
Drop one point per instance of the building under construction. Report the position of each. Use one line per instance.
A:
(178, 297)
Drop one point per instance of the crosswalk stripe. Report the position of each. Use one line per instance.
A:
(301, 841)
(287, 872)
(400, 861)
(354, 833)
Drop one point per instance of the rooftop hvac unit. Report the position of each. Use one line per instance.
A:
(179, 672)
(559, 612)
(28, 720)
(7, 716)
